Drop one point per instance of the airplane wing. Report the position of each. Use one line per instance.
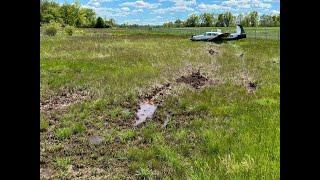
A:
(219, 37)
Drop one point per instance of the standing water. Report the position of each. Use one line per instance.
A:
(146, 110)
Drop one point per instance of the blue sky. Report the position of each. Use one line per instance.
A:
(159, 11)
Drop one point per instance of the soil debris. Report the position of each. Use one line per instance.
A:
(252, 86)
(156, 91)
(96, 140)
(212, 52)
(166, 122)
(62, 101)
(151, 101)
(196, 80)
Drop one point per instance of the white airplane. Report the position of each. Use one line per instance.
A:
(218, 35)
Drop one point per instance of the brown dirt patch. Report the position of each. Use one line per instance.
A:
(212, 51)
(62, 101)
(251, 86)
(248, 82)
(157, 91)
(195, 79)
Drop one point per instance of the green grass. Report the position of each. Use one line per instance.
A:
(64, 133)
(44, 124)
(218, 132)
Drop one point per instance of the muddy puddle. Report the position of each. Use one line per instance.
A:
(146, 110)
(149, 102)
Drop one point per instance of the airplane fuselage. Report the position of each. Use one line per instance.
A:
(218, 36)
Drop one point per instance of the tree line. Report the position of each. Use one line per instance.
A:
(72, 15)
(226, 19)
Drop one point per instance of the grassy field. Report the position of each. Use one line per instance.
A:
(92, 82)
(252, 32)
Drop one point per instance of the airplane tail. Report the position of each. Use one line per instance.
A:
(240, 29)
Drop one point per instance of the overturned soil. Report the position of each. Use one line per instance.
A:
(156, 91)
(149, 102)
(212, 52)
(62, 101)
(195, 79)
(251, 86)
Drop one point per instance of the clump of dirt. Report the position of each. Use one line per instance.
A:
(248, 82)
(96, 140)
(196, 80)
(46, 173)
(251, 86)
(62, 101)
(212, 52)
(149, 102)
(156, 91)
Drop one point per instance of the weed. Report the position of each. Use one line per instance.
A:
(64, 133)
(44, 124)
(63, 162)
(78, 128)
(144, 173)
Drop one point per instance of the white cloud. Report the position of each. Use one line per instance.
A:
(275, 12)
(141, 4)
(125, 9)
(246, 4)
(137, 10)
(181, 2)
(179, 6)
(97, 3)
(173, 9)
(210, 7)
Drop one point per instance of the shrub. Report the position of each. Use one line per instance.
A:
(100, 23)
(52, 29)
(69, 30)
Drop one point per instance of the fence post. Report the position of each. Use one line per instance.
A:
(265, 32)
(255, 33)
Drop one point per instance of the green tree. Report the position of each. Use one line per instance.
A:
(206, 19)
(49, 12)
(220, 20)
(90, 17)
(99, 23)
(69, 14)
(178, 23)
(192, 21)
(110, 23)
(266, 20)
(253, 18)
(228, 18)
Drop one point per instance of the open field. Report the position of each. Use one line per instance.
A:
(92, 82)
(252, 32)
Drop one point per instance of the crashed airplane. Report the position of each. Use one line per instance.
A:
(219, 36)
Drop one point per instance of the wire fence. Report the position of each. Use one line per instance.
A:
(271, 33)
(252, 32)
